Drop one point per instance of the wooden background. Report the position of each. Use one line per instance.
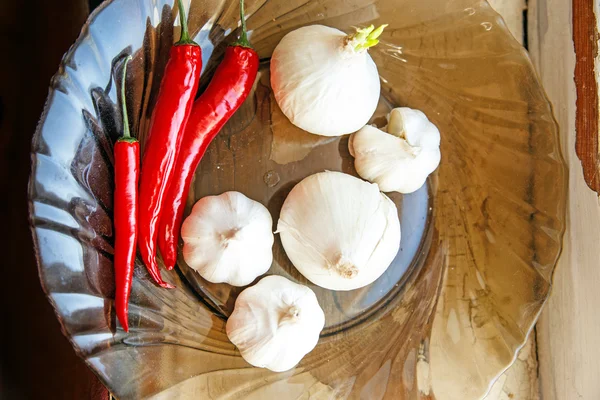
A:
(569, 330)
(561, 361)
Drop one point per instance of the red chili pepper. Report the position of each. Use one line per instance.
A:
(171, 112)
(227, 90)
(127, 168)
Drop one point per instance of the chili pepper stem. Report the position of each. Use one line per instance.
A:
(243, 40)
(126, 134)
(185, 35)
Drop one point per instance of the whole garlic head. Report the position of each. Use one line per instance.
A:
(275, 323)
(228, 238)
(399, 157)
(340, 232)
(322, 83)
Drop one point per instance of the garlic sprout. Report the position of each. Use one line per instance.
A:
(275, 323)
(400, 156)
(325, 81)
(340, 232)
(228, 238)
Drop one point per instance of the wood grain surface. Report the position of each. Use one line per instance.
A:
(585, 38)
(569, 329)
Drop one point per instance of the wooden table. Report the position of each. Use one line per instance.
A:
(562, 357)
(564, 353)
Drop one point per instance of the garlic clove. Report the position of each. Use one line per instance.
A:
(340, 232)
(275, 323)
(402, 158)
(414, 127)
(228, 238)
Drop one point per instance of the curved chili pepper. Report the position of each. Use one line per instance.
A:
(171, 112)
(227, 90)
(127, 168)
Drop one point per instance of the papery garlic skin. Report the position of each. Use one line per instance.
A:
(340, 232)
(228, 238)
(321, 83)
(275, 323)
(401, 159)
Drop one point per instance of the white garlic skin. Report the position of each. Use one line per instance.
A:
(228, 239)
(275, 323)
(322, 85)
(401, 159)
(340, 232)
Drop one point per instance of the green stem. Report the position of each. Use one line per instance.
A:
(185, 35)
(243, 40)
(126, 133)
(365, 38)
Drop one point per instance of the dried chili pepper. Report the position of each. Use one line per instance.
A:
(171, 112)
(227, 90)
(127, 168)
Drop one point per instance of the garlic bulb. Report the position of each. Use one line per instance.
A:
(340, 232)
(275, 323)
(325, 81)
(401, 159)
(228, 238)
